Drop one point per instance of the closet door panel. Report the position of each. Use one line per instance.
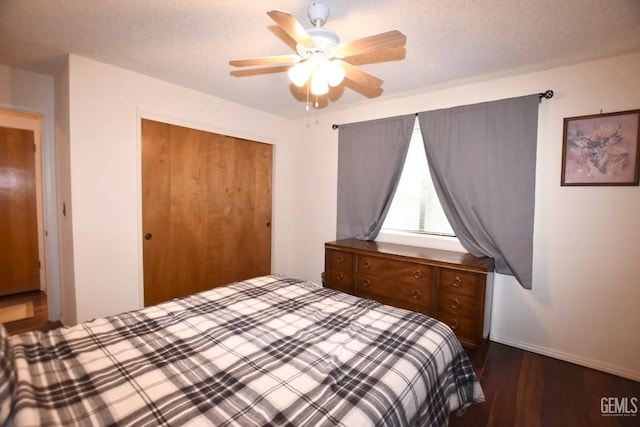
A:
(206, 210)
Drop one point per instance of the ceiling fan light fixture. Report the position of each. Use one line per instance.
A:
(319, 85)
(319, 63)
(333, 73)
(299, 74)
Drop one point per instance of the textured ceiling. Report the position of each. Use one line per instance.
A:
(190, 42)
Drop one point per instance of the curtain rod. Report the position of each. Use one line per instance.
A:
(547, 94)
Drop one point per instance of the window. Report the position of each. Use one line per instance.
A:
(415, 207)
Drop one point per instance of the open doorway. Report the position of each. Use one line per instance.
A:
(22, 231)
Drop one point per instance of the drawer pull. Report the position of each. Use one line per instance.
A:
(366, 265)
(416, 295)
(454, 324)
(417, 274)
(340, 276)
(365, 283)
(455, 304)
(457, 282)
(340, 259)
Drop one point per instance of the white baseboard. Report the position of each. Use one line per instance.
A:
(568, 357)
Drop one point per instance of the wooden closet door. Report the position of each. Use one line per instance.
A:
(206, 210)
(19, 263)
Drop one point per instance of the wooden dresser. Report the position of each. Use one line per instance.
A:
(449, 286)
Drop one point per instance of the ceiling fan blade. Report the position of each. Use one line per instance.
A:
(265, 60)
(393, 38)
(356, 75)
(291, 26)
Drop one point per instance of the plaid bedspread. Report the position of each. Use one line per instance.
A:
(263, 352)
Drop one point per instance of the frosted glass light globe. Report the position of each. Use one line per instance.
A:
(299, 74)
(319, 85)
(333, 73)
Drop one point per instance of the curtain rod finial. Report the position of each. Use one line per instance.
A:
(334, 126)
(548, 94)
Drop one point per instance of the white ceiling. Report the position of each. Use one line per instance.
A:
(190, 42)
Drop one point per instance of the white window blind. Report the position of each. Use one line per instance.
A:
(415, 207)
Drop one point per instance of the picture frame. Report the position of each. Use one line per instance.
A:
(601, 149)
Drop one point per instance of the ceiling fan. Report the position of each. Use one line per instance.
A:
(319, 59)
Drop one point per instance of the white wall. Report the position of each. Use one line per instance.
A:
(586, 273)
(28, 92)
(105, 107)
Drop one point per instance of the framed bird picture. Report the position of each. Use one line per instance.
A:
(601, 149)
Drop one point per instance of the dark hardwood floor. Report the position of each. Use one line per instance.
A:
(522, 389)
(526, 389)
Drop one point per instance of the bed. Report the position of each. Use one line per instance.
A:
(269, 351)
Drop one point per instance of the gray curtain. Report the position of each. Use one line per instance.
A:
(370, 160)
(482, 159)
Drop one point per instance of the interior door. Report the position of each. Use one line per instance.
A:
(19, 259)
(206, 210)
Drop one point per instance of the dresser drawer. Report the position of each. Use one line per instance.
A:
(339, 270)
(461, 282)
(339, 259)
(465, 328)
(458, 305)
(395, 270)
(416, 293)
(339, 280)
(406, 304)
